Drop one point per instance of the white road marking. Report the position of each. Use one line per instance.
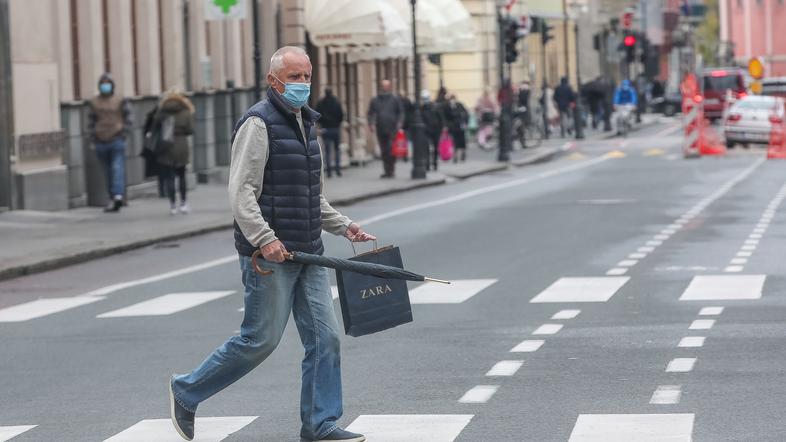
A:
(166, 304)
(745, 254)
(547, 329)
(505, 368)
(597, 289)
(627, 263)
(702, 324)
(637, 255)
(710, 311)
(753, 242)
(457, 292)
(759, 230)
(681, 365)
(661, 237)
(734, 269)
(208, 429)
(10, 432)
(528, 346)
(691, 342)
(479, 394)
(739, 261)
(666, 395)
(186, 270)
(646, 249)
(724, 287)
(617, 271)
(755, 235)
(633, 427)
(481, 191)
(653, 243)
(566, 314)
(410, 427)
(43, 307)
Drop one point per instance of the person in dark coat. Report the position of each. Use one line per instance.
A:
(409, 119)
(456, 119)
(432, 119)
(385, 118)
(330, 121)
(173, 159)
(565, 98)
(148, 151)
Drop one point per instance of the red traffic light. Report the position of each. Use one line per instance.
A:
(629, 40)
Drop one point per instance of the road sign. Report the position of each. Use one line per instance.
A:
(756, 87)
(627, 19)
(756, 68)
(225, 9)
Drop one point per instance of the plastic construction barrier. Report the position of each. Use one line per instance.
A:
(777, 146)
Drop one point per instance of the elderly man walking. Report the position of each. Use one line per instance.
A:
(275, 191)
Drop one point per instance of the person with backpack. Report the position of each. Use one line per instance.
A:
(174, 122)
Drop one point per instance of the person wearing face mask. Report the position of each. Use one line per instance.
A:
(385, 118)
(275, 192)
(109, 124)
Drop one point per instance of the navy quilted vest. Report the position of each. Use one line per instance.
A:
(291, 186)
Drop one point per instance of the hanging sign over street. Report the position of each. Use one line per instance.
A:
(225, 9)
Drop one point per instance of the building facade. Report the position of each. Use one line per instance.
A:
(749, 28)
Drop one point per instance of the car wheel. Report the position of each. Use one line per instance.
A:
(669, 110)
(730, 144)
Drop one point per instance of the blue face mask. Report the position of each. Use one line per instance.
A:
(105, 88)
(295, 94)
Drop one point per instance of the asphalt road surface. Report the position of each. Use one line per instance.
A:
(620, 293)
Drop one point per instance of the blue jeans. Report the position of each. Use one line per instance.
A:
(113, 159)
(332, 139)
(303, 290)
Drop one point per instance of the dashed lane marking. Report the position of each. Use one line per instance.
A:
(666, 395)
(208, 429)
(691, 342)
(596, 289)
(505, 368)
(411, 427)
(702, 324)
(479, 394)
(724, 287)
(630, 427)
(10, 432)
(167, 304)
(710, 311)
(44, 307)
(527, 346)
(547, 329)
(680, 365)
(566, 314)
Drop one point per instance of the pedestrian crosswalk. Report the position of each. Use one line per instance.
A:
(167, 304)
(411, 427)
(630, 427)
(9, 432)
(207, 429)
(44, 307)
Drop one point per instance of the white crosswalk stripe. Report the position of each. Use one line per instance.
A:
(44, 307)
(10, 432)
(724, 287)
(411, 427)
(457, 292)
(599, 289)
(630, 427)
(167, 304)
(206, 429)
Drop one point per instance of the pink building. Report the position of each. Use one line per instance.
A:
(754, 28)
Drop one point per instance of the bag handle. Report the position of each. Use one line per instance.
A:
(355, 252)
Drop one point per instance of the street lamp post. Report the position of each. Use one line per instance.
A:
(257, 55)
(419, 141)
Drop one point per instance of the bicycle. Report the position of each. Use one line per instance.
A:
(527, 131)
(623, 120)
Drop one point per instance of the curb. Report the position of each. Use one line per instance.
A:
(104, 251)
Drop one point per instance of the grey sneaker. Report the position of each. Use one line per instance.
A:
(182, 419)
(339, 435)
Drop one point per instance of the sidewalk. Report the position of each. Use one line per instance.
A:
(38, 241)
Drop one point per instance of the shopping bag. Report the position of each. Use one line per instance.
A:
(370, 304)
(400, 148)
(445, 146)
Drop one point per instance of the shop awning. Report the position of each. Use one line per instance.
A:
(346, 25)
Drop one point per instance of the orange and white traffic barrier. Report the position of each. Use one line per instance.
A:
(693, 119)
(777, 147)
(700, 138)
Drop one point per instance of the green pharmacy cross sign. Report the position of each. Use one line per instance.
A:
(225, 5)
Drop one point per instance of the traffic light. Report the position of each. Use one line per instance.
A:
(629, 46)
(513, 32)
(545, 32)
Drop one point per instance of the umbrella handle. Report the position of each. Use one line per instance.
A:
(263, 271)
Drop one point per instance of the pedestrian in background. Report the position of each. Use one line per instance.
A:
(432, 119)
(523, 100)
(565, 98)
(332, 114)
(385, 118)
(108, 126)
(456, 119)
(175, 109)
(275, 192)
(486, 114)
(409, 121)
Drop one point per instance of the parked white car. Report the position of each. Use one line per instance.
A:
(751, 119)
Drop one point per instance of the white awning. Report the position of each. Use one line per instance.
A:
(443, 25)
(348, 24)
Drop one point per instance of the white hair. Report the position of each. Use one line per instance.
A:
(277, 60)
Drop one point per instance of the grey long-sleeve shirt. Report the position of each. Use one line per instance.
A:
(250, 152)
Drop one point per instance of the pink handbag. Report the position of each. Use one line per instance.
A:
(445, 146)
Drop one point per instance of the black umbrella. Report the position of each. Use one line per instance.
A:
(365, 268)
